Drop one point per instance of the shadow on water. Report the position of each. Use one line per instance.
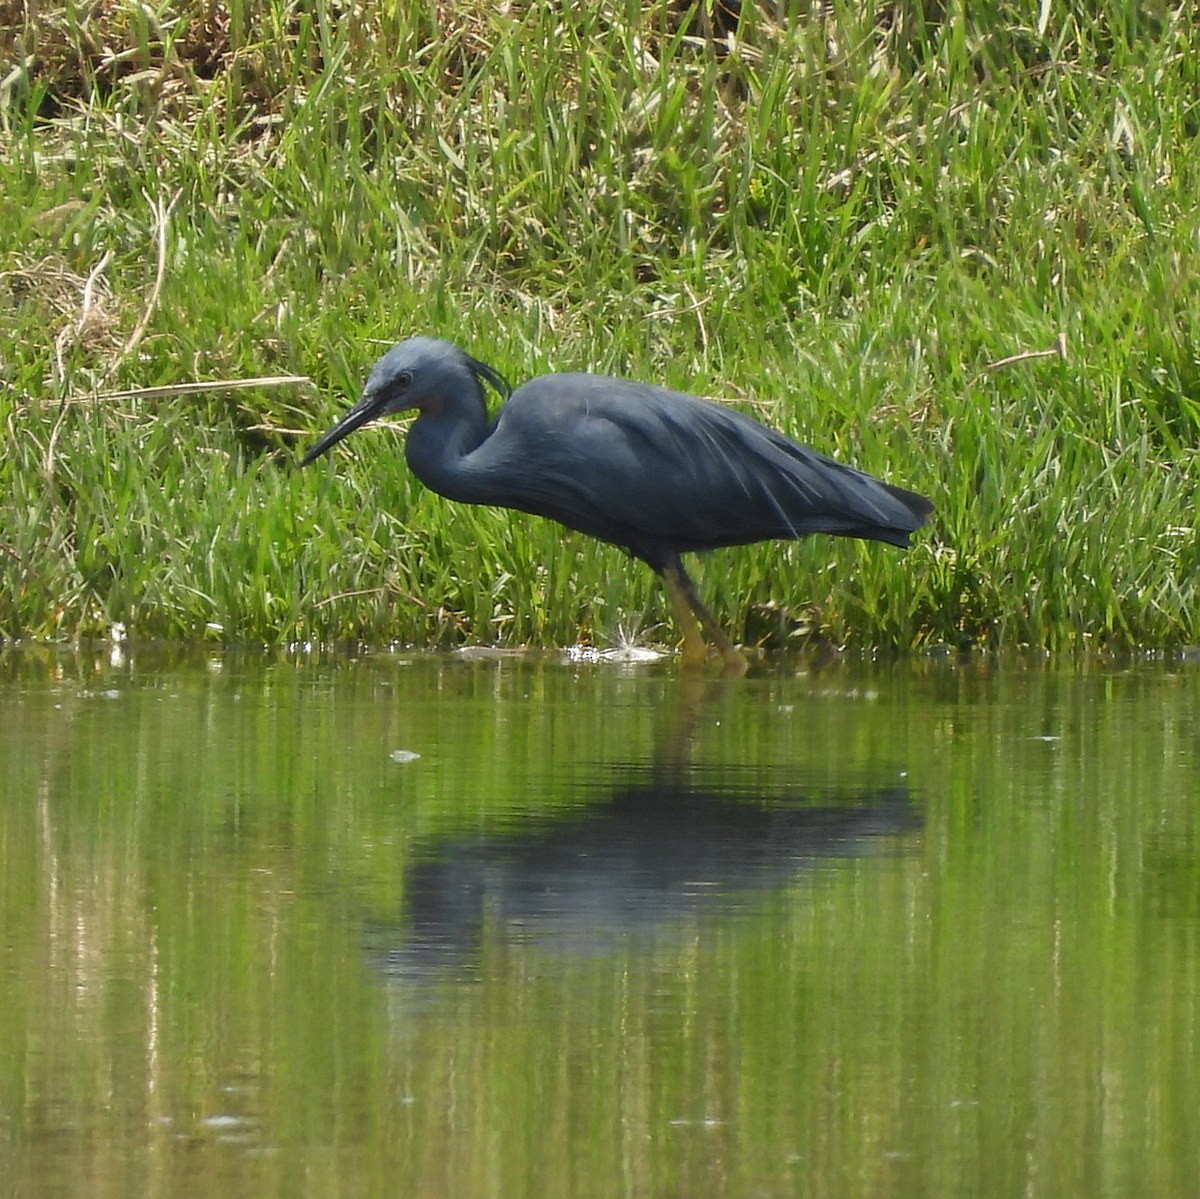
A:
(653, 850)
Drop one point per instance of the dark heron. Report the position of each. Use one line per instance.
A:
(656, 472)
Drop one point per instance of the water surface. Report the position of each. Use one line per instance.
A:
(432, 926)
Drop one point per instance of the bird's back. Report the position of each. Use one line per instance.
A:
(661, 472)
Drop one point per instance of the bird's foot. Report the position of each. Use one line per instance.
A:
(693, 654)
(736, 664)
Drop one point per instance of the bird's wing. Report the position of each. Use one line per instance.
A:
(643, 467)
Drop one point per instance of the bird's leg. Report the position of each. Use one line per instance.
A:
(695, 651)
(693, 616)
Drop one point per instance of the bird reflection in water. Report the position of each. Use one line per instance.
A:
(650, 852)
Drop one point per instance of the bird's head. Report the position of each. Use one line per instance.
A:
(422, 373)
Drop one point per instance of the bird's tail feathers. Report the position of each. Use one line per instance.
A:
(918, 505)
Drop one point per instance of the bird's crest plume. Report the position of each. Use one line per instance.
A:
(500, 385)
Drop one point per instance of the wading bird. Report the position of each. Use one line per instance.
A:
(656, 472)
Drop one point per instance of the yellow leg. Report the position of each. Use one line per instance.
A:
(694, 649)
(692, 616)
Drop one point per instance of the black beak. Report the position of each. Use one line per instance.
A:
(365, 410)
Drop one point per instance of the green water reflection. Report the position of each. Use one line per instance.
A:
(440, 927)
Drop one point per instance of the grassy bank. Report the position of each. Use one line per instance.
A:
(847, 222)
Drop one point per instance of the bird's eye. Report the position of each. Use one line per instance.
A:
(404, 380)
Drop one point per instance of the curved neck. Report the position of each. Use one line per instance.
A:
(439, 444)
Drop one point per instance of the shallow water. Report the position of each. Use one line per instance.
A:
(403, 925)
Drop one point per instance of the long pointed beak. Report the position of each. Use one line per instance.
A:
(365, 410)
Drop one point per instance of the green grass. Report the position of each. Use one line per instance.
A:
(840, 221)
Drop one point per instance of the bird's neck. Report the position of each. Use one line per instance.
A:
(438, 449)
